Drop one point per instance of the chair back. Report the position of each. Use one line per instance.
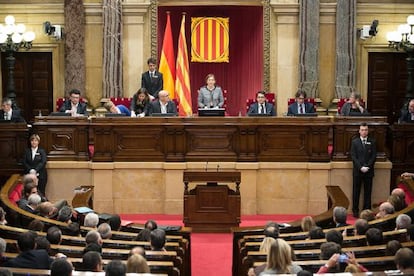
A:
(121, 100)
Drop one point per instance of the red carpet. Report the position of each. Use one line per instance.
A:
(211, 253)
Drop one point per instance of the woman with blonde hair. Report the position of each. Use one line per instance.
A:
(307, 223)
(264, 248)
(137, 264)
(279, 259)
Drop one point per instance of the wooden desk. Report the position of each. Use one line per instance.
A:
(14, 139)
(345, 128)
(64, 138)
(211, 207)
(201, 139)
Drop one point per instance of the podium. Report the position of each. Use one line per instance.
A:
(211, 207)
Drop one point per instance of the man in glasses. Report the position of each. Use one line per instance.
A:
(261, 106)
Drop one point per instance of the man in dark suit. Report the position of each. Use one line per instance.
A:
(152, 80)
(7, 113)
(300, 106)
(29, 257)
(163, 104)
(407, 114)
(364, 154)
(261, 106)
(74, 106)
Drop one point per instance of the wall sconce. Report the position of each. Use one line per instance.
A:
(403, 39)
(55, 31)
(12, 38)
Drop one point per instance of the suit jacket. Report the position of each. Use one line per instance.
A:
(156, 107)
(205, 97)
(38, 163)
(405, 117)
(81, 109)
(37, 259)
(363, 156)
(140, 108)
(254, 109)
(347, 109)
(153, 85)
(16, 116)
(293, 108)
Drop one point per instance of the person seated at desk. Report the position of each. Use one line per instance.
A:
(261, 106)
(407, 114)
(140, 104)
(7, 113)
(353, 106)
(210, 95)
(117, 109)
(163, 105)
(300, 106)
(74, 106)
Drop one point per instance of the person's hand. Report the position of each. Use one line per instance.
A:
(251, 272)
(364, 169)
(151, 97)
(141, 115)
(357, 104)
(133, 114)
(407, 175)
(32, 171)
(333, 260)
(60, 255)
(351, 258)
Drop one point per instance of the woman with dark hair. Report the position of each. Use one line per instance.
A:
(34, 162)
(210, 95)
(140, 104)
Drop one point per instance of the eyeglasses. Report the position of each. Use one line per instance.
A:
(261, 97)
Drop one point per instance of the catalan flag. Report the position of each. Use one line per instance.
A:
(167, 66)
(182, 81)
(210, 39)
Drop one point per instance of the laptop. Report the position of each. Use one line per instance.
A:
(163, 114)
(115, 115)
(211, 112)
(61, 114)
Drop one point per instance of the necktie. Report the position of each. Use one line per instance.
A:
(364, 142)
(301, 109)
(261, 109)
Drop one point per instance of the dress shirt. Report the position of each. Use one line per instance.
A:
(8, 115)
(301, 108)
(262, 109)
(74, 109)
(34, 151)
(163, 107)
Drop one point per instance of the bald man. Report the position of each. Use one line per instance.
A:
(163, 105)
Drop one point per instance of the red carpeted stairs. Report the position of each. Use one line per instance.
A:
(211, 253)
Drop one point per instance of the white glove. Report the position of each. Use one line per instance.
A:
(32, 171)
(141, 115)
(364, 169)
(133, 114)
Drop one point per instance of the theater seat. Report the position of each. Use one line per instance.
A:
(177, 104)
(270, 98)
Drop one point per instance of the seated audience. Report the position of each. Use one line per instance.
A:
(316, 232)
(137, 264)
(407, 113)
(385, 209)
(36, 225)
(140, 103)
(351, 268)
(33, 202)
(353, 106)
(397, 202)
(3, 214)
(336, 261)
(42, 243)
(367, 214)
(117, 109)
(3, 246)
(300, 106)
(105, 230)
(28, 188)
(72, 229)
(271, 230)
(404, 260)
(73, 105)
(261, 106)
(5, 272)
(264, 247)
(307, 223)
(361, 227)
(339, 216)
(10, 114)
(410, 232)
(61, 267)
(392, 247)
(334, 236)
(150, 224)
(91, 220)
(93, 241)
(115, 222)
(137, 250)
(163, 104)
(144, 235)
(374, 236)
(402, 221)
(65, 214)
(115, 268)
(210, 95)
(279, 259)
(29, 257)
(157, 239)
(401, 194)
(54, 235)
(47, 210)
(92, 261)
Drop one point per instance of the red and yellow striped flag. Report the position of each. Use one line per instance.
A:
(167, 66)
(210, 39)
(182, 81)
